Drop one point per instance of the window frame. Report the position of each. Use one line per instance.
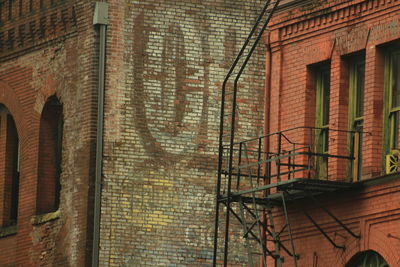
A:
(322, 114)
(389, 110)
(356, 122)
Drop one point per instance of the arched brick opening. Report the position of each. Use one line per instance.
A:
(367, 258)
(9, 98)
(49, 157)
(9, 168)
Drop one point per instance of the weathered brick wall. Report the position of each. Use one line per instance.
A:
(300, 39)
(48, 50)
(165, 64)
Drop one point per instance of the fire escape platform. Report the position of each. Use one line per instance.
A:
(312, 185)
(297, 189)
(303, 187)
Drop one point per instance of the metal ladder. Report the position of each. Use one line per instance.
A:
(257, 228)
(229, 106)
(228, 118)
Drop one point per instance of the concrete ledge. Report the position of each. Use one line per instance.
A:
(8, 230)
(43, 218)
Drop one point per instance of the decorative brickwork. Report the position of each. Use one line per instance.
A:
(32, 24)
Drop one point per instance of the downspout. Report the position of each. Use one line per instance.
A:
(267, 90)
(100, 21)
(267, 108)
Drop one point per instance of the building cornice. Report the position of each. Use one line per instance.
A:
(328, 16)
(36, 29)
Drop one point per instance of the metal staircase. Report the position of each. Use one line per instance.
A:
(255, 185)
(260, 186)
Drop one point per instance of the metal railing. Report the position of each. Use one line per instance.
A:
(300, 152)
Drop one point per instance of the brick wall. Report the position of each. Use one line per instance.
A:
(300, 40)
(47, 48)
(166, 61)
(299, 44)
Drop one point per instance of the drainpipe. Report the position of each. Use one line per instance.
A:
(267, 108)
(100, 21)
(267, 89)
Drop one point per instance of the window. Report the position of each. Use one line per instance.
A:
(9, 167)
(392, 107)
(356, 112)
(322, 120)
(49, 169)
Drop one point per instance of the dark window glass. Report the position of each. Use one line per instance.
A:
(49, 169)
(10, 153)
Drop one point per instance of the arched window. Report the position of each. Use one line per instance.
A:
(9, 168)
(367, 259)
(49, 168)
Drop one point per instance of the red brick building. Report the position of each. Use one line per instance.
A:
(355, 44)
(321, 188)
(47, 125)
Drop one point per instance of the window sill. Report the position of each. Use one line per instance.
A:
(43, 218)
(8, 230)
(376, 180)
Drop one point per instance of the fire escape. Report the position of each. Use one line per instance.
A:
(259, 179)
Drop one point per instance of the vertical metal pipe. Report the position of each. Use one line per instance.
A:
(99, 149)
(238, 169)
(100, 18)
(310, 145)
(289, 229)
(259, 159)
(278, 162)
(360, 153)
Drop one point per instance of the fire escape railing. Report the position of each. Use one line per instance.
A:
(294, 153)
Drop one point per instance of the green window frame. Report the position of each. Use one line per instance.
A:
(392, 102)
(356, 112)
(322, 120)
